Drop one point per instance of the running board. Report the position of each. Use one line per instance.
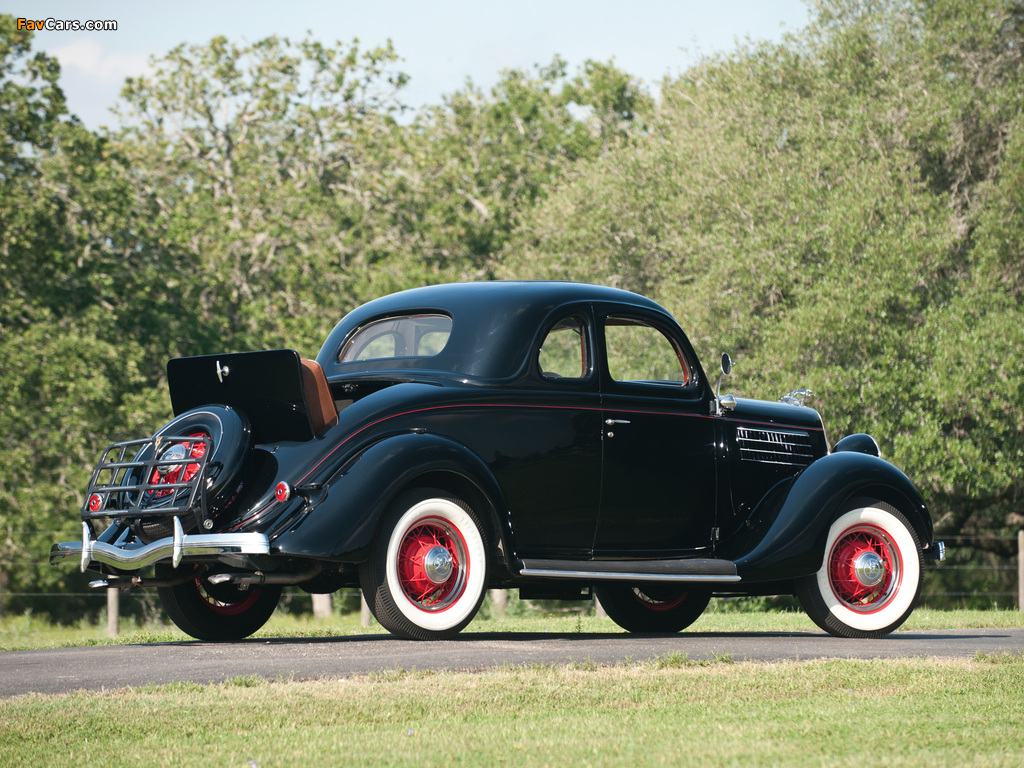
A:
(695, 570)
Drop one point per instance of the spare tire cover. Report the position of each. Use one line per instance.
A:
(231, 435)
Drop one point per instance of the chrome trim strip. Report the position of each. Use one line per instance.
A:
(781, 463)
(626, 576)
(172, 548)
(177, 543)
(86, 547)
(773, 431)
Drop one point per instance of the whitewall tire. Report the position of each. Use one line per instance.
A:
(870, 577)
(427, 575)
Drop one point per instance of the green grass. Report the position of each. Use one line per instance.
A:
(668, 711)
(30, 632)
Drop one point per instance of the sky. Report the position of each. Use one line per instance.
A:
(441, 42)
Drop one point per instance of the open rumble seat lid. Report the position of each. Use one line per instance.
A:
(266, 386)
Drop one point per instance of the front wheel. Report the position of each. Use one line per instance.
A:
(870, 579)
(427, 573)
(217, 612)
(653, 607)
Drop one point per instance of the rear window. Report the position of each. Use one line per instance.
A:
(396, 337)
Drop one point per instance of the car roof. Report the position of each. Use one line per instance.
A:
(493, 324)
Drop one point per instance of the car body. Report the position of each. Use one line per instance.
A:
(558, 438)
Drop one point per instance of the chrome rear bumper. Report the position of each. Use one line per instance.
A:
(173, 548)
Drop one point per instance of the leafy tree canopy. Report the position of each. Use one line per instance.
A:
(841, 211)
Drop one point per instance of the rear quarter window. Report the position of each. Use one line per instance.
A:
(398, 337)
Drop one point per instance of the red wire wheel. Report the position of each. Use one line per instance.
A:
(870, 578)
(653, 608)
(226, 455)
(864, 568)
(427, 573)
(660, 605)
(431, 565)
(215, 612)
(226, 599)
(179, 473)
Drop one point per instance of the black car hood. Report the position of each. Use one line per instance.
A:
(765, 412)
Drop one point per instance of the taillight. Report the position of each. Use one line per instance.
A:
(283, 492)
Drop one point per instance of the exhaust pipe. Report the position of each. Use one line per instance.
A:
(246, 580)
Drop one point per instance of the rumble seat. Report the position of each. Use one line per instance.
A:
(322, 413)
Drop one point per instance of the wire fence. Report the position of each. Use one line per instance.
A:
(973, 571)
(971, 575)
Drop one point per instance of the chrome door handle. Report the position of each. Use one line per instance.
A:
(613, 422)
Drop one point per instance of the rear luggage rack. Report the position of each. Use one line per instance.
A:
(163, 478)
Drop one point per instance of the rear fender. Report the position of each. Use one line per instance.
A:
(794, 543)
(343, 525)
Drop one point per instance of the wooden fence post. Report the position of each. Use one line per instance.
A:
(1020, 570)
(499, 599)
(113, 611)
(364, 610)
(322, 607)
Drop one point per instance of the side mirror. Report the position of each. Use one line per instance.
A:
(730, 402)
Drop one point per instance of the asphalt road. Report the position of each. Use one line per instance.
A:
(119, 666)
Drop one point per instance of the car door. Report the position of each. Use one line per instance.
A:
(545, 446)
(659, 458)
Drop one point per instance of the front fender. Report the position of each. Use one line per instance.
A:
(794, 543)
(343, 525)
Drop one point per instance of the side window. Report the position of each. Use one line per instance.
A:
(563, 353)
(393, 337)
(640, 352)
(379, 347)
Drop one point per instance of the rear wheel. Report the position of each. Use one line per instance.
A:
(659, 608)
(427, 573)
(870, 579)
(217, 612)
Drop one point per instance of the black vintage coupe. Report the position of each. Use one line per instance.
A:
(558, 438)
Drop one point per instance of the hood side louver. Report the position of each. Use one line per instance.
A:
(775, 446)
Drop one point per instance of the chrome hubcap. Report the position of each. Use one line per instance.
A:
(437, 565)
(869, 568)
(175, 452)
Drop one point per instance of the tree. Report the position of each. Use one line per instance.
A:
(66, 362)
(252, 196)
(482, 161)
(840, 210)
(259, 171)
